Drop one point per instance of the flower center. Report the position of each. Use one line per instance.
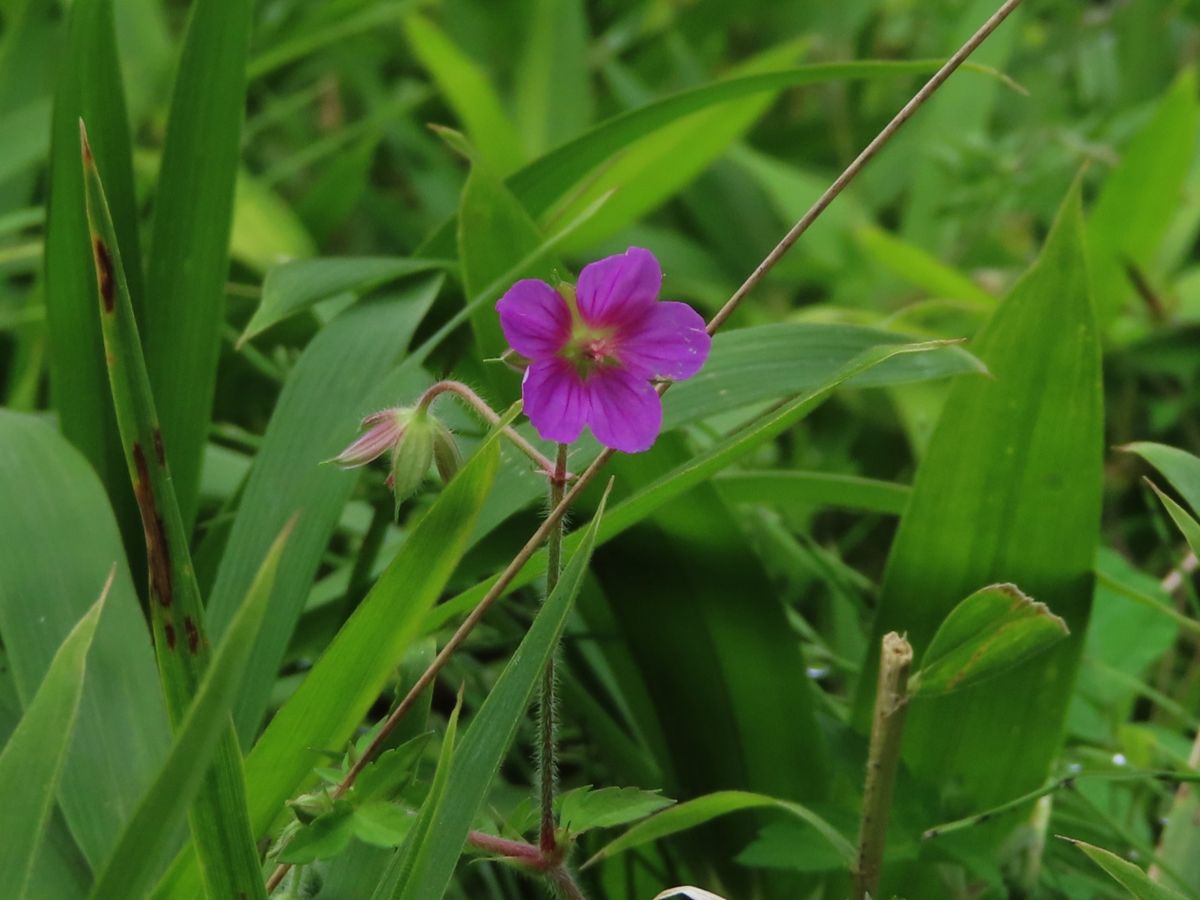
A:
(588, 348)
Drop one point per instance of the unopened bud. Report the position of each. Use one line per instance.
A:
(381, 432)
(309, 806)
(412, 456)
(445, 452)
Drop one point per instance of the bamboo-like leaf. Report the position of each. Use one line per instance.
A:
(1188, 526)
(648, 171)
(790, 489)
(554, 99)
(331, 387)
(32, 760)
(700, 468)
(188, 262)
(1126, 873)
(295, 286)
(1134, 207)
(1009, 491)
(339, 690)
(122, 732)
(1179, 467)
(151, 829)
(89, 86)
(468, 92)
(218, 818)
(694, 813)
(424, 871)
(994, 629)
(546, 181)
(769, 362)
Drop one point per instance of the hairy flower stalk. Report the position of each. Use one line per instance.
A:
(547, 726)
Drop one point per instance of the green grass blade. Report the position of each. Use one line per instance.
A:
(339, 690)
(791, 489)
(649, 171)
(1179, 467)
(151, 829)
(332, 386)
(89, 86)
(219, 822)
(1126, 874)
(770, 362)
(188, 262)
(1009, 491)
(546, 181)
(486, 741)
(122, 731)
(553, 90)
(469, 93)
(696, 470)
(32, 760)
(1139, 197)
(686, 816)
(298, 284)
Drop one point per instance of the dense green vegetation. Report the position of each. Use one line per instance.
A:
(901, 601)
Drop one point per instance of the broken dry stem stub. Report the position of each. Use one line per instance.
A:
(887, 731)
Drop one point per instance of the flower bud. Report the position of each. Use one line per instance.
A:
(309, 806)
(445, 452)
(381, 432)
(412, 455)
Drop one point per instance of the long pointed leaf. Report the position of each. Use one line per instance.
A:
(32, 760)
(89, 86)
(219, 821)
(189, 248)
(1009, 491)
(206, 723)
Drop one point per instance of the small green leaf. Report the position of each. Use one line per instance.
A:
(1126, 874)
(388, 774)
(693, 813)
(586, 808)
(994, 629)
(1183, 520)
(325, 836)
(383, 824)
(31, 762)
(299, 284)
(1179, 467)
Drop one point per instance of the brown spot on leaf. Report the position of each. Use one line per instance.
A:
(104, 272)
(159, 454)
(158, 554)
(169, 631)
(193, 634)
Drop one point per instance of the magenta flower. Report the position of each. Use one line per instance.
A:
(595, 348)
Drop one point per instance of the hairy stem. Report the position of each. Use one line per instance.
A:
(489, 415)
(887, 729)
(547, 728)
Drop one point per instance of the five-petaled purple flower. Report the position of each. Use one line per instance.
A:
(595, 348)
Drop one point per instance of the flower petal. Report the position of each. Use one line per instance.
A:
(555, 400)
(669, 341)
(535, 318)
(613, 290)
(624, 411)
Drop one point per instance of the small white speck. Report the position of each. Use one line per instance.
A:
(816, 672)
(1119, 759)
(1075, 768)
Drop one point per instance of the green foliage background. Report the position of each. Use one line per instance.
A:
(312, 209)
